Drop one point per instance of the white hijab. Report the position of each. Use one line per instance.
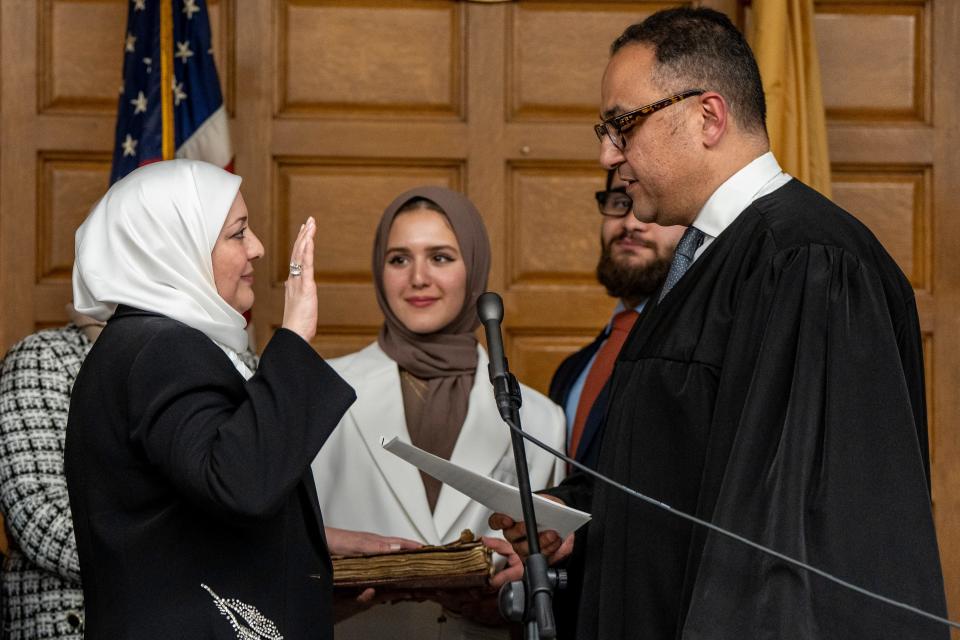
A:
(147, 244)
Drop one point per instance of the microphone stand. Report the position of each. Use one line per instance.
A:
(531, 600)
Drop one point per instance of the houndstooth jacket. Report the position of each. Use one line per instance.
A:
(41, 577)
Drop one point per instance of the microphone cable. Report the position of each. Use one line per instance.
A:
(729, 534)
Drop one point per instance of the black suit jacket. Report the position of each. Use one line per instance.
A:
(190, 487)
(566, 375)
(567, 601)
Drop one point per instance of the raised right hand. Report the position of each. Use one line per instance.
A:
(300, 292)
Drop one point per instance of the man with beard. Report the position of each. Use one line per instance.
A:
(634, 259)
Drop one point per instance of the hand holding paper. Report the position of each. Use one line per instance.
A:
(496, 496)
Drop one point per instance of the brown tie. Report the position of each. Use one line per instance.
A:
(600, 372)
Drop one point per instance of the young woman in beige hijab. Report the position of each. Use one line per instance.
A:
(425, 381)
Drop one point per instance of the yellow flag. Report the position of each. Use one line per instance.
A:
(786, 50)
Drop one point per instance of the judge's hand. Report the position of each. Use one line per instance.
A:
(512, 571)
(551, 545)
(343, 542)
(300, 291)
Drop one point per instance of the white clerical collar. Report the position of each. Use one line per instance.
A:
(762, 176)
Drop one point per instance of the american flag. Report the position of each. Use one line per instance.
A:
(199, 119)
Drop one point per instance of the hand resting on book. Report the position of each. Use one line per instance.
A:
(343, 542)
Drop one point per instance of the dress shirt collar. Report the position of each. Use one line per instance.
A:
(621, 307)
(737, 192)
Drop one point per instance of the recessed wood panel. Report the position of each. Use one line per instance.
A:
(68, 186)
(332, 342)
(553, 227)
(82, 42)
(558, 52)
(894, 204)
(873, 59)
(347, 197)
(360, 56)
(82, 65)
(534, 358)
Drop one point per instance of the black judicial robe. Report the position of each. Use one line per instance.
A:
(777, 391)
(182, 474)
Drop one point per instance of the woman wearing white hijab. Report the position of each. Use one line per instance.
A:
(194, 507)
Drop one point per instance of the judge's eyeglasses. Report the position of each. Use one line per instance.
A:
(615, 127)
(614, 203)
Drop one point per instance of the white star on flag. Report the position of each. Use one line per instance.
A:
(149, 63)
(183, 51)
(129, 146)
(139, 5)
(190, 7)
(178, 93)
(131, 42)
(139, 103)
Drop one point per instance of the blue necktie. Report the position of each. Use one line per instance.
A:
(689, 243)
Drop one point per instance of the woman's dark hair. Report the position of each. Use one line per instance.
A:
(701, 49)
(420, 203)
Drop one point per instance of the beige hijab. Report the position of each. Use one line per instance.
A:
(436, 369)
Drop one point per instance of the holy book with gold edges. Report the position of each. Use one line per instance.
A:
(460, 564)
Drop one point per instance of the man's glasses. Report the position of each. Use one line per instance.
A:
(615, 127)
(614, 204)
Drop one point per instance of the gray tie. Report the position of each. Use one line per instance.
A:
(689, 243)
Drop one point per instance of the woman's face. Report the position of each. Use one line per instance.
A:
(233, 255)
(424, 277)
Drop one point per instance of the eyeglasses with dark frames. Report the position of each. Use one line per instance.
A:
(614, 203)
(615, 127)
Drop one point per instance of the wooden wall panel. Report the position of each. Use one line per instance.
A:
(81, 46)
(334, 342)
(347, 198)
(553, 222)
(359, 57)
(82, 42)
(874, 59)
(534, 357)
(558, 51)
(68, 186)
(894, 202)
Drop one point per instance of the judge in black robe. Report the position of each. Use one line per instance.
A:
(776, 390)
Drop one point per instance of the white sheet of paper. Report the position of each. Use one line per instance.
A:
(493, 494)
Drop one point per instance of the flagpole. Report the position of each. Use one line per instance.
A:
(166, 78)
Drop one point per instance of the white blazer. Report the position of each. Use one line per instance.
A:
(361, 486)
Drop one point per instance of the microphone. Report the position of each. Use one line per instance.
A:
(540, 581)
(490, 312)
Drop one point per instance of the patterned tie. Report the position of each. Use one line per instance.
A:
(600, 372)
(689, 243)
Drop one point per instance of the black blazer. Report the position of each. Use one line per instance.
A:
(566, 375)
(190, 488)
